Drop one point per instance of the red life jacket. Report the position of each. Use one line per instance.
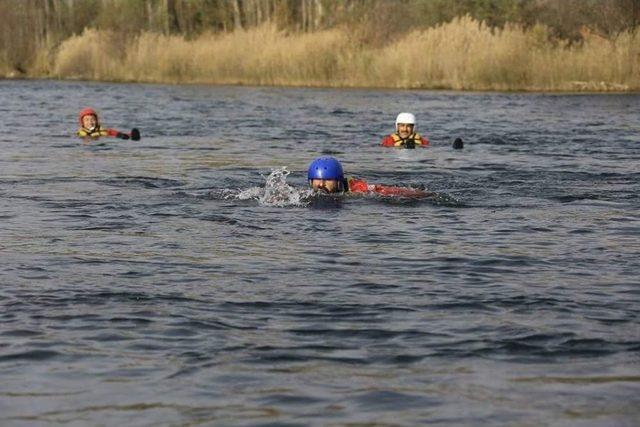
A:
(353, 185)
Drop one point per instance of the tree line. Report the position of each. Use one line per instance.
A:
(31, 25)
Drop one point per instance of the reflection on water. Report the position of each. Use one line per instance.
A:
(192, 277)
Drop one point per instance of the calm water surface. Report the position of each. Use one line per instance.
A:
(186, 279)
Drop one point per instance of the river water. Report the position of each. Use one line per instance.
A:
(191, 278)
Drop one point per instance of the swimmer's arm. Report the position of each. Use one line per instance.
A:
(117, 134)
(387, 190)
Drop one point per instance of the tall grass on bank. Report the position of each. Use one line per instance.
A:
(463, 54)
(262, 56)
(466, 54)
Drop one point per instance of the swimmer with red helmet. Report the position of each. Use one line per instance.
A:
(326, 174)
(90, 127)
(405, 135)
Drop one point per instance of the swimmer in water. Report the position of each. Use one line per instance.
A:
(90, 128)
(326, 174)
(405, 135)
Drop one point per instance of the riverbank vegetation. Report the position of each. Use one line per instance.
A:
(549, 45)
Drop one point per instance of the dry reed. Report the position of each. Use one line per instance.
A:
(463, 54)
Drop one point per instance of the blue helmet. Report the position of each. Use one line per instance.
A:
(325, 168)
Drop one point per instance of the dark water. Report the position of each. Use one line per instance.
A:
(169, 282)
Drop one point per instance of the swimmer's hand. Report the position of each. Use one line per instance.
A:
(122, 135)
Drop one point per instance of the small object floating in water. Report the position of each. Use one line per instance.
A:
(458, 144)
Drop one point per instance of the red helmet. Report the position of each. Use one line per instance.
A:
(86, 112)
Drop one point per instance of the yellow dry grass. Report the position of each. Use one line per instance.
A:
(464, 54)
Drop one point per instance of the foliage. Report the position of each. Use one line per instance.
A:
(33, 31)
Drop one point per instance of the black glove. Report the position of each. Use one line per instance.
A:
(122, 135)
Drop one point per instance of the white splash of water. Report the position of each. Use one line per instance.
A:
(276, 191)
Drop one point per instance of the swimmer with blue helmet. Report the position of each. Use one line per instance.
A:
(326, 174)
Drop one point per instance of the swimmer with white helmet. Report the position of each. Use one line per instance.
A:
(405, 135)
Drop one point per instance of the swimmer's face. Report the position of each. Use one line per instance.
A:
(89, 121)
(326, 185)
(405, 129)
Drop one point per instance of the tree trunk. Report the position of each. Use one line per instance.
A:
(237, 18)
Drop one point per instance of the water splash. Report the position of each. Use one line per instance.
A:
(276, 191)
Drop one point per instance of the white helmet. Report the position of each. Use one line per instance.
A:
(406, 118)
